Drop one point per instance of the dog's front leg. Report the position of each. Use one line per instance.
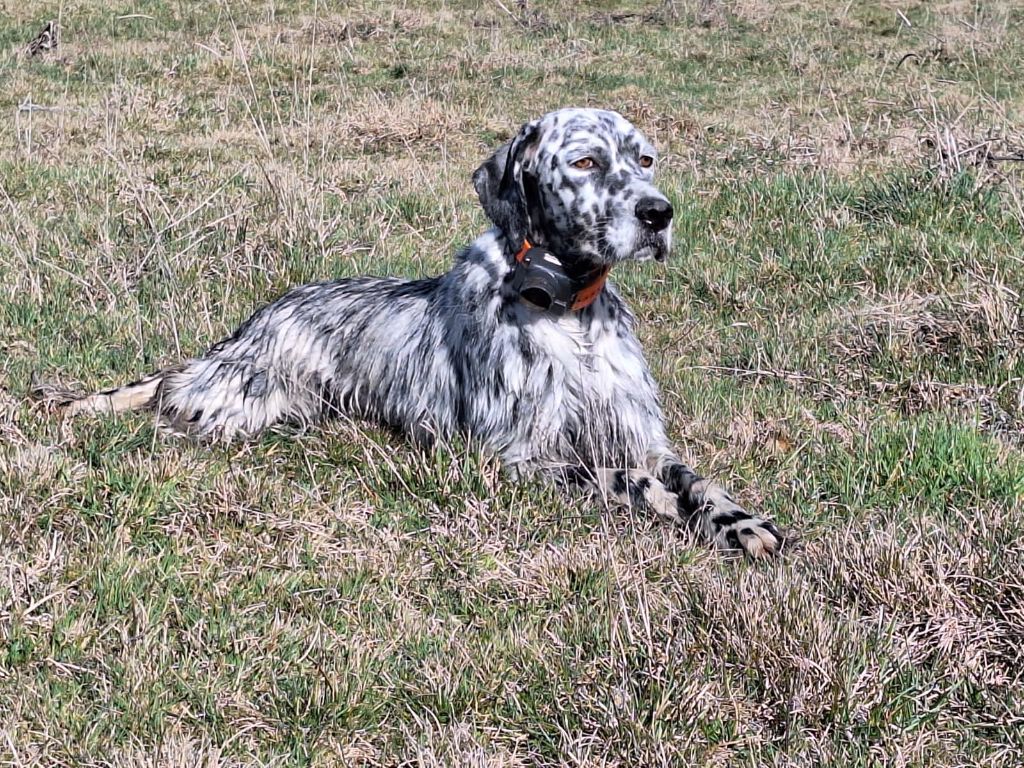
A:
(674, 492)
(709, 509)
(636, 488)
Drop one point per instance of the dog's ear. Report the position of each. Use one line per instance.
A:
(499, 186)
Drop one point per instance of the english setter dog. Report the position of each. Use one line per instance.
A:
(522, 346)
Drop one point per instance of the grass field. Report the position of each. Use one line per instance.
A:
(839, 337)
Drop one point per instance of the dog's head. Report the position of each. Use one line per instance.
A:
(578, 181)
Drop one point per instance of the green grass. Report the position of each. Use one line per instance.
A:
(839, 337)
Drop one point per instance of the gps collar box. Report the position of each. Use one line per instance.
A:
(541, 282)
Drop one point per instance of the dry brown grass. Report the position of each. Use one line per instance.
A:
(838, 338)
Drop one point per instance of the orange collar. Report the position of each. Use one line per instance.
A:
(586, 295)
(527, 245)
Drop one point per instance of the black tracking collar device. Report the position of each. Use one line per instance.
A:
(541, 282)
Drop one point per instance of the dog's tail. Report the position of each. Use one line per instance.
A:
(209, 396)
(139, 395)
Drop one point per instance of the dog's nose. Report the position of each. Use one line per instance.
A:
(655, 212)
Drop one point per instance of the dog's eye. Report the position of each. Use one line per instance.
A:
(646, 161)
(584, 163)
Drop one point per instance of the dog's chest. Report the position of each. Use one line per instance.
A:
(585, 389)
(594, 365)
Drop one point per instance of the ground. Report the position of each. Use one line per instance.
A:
(838, 335)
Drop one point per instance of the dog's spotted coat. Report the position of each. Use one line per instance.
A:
(570, 398)
(47, 40)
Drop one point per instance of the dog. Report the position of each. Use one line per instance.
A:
(523, 346)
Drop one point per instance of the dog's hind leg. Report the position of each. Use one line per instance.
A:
(224, 398)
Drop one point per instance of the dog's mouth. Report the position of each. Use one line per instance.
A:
(657, 251)
(598, 249)
(654, 246)
(647, 251)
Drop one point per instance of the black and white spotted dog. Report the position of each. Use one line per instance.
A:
(562, 391)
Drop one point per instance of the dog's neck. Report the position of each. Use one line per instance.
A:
(542, 282)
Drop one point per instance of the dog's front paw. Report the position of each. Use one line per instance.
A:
(735, 530)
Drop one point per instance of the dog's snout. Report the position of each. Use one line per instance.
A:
(655, 212)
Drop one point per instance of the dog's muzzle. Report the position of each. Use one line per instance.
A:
(655, 214)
